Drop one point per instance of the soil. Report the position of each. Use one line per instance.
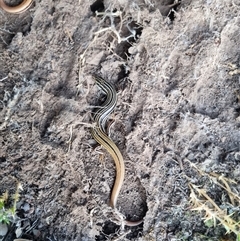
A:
(176, 121)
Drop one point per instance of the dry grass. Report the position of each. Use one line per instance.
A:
(216, 214)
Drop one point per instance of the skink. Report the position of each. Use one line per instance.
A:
(98, 133)
(17, 9)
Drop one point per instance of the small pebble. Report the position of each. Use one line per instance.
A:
(3, 229)
(237, 156)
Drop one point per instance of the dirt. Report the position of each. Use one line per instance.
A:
(176, 121)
